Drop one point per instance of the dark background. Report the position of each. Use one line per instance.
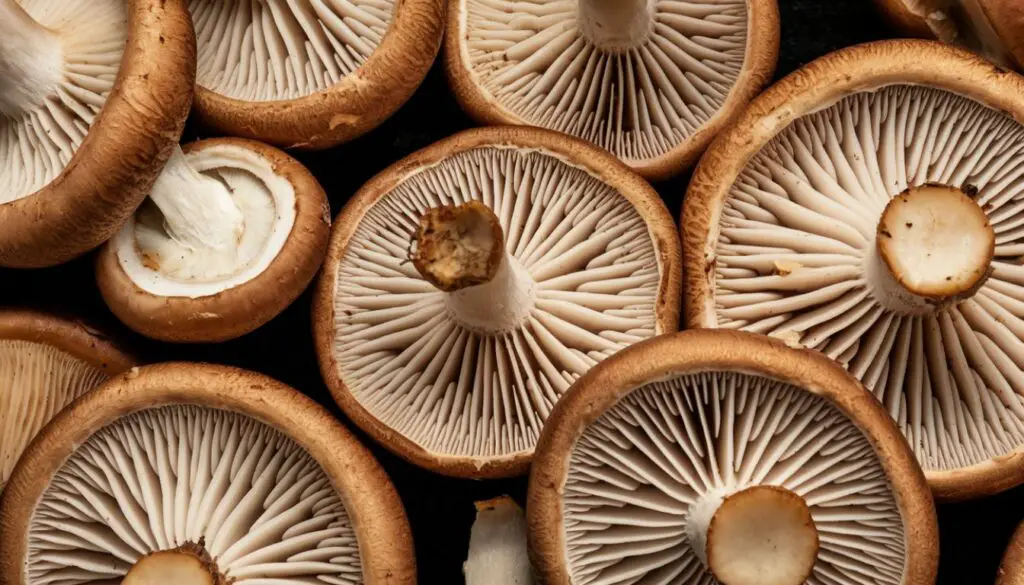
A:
(973, 535)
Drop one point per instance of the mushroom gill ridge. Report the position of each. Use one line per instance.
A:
(165, 477)
(796, 258)
(640, 476)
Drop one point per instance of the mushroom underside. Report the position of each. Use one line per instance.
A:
(175, 476)
(645, 479)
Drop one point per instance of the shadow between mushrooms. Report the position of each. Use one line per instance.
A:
(651, 81)
(118, 72)
(710, 457)
(207, 473)
(467, 286)
(1011, 570)
(231, 234)
(310, 73)
(869, 206)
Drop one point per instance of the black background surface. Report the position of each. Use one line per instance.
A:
(440, 509)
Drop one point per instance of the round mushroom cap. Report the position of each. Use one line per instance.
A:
(127, 72)
(167, 290)
(655, 102)
(655, 440)
(233, 464)
(45, 363)
(791, 213)
(596, 267)
(1011, 570)
(310, 73)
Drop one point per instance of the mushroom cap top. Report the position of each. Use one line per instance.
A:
(322, 72)
(632, 450)
(109, 131)
(251, 469)
(1007, 18)
(1011, 570)
(781, 220)
(912, 16)
(656, 105)
(596, 262)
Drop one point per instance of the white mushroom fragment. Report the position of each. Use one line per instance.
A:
(118, 72)
(712, 457)
(497, 545)
(651, 81)
(533, 257)
(206, 474)
(45, 363)
(232, 233)
(310, 73)
(901, 209)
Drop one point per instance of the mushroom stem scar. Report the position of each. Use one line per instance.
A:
(461, 251)
(186, 565)
(198, 211)
(616, 25)
(31, 61)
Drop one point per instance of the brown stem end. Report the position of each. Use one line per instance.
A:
(188, 564)
(459, 246)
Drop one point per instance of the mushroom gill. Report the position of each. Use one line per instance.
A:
(177, 476)
(803, 246)
(707, 476)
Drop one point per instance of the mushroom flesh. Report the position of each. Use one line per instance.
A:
(497, 545)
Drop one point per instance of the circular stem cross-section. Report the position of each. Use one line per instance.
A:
(186, 565)
(616, 25)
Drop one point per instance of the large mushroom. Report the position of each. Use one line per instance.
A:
(46, 362)
(231, 234)
(712, 457)
(868, 206)
(650, 81)
(94, 95)
(1011, 570)
(200, 475)
(310, 73)
(468, 285)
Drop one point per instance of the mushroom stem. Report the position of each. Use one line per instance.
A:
(934, 247)
(189, 564)
(461, 251)
(198, 211)
(616, 25)
(31, 61)
(497, 545)
(763, 535)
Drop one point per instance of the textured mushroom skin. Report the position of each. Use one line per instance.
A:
(1011, 570)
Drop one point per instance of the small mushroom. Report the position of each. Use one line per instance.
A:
(1011, 570)
(207, 474)
(723, 457)
(497, 545)
(310, 73)
(231, 234)
(650, 81)
(45, 363)
(94, 94)
(890, 173)
(467, 286)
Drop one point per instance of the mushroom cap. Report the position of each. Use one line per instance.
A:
(912, 16)
(378, 323)
(965, 421)
(1007, 19)
(631, 447)
(360, 61)
(521, 62)
(284, 262)
(108, 137)
(45, 363)
(272, 485)
(1011, 570)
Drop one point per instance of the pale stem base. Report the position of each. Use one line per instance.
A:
(31, 61)
(496, 306)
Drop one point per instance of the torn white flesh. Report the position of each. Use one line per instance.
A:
(164, 477)
(284, 49)
(811, 201)
(58, 63)
(449, 387)
(636, 77)
(169, 567)
(498, 552)
(216, 218)
(648, 477)
(36, 382)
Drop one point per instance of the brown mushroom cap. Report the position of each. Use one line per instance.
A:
(781, 217)
(593, 254)
(213, 457)
(1011, 570)
(323, 73)
(93, 183)
(225, 311)
(655, 104)
(633, 455)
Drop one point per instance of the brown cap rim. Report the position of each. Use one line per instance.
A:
(73, 337)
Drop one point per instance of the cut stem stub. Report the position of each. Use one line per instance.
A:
(616, 25)
(189, 564)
